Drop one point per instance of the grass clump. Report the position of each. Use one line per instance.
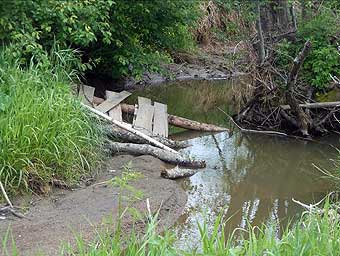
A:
(313, 234)
(44, 132)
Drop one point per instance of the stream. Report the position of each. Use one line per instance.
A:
(250, 179)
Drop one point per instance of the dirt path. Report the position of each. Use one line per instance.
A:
(57, 218)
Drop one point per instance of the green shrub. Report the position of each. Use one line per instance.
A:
(44, 132)
(118, 38)
(324, 59)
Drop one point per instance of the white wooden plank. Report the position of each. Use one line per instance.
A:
(86, 93)
(116, 112)
(113, 101)
(144, 116)
(160, 121)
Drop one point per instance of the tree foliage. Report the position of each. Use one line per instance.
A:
(322, 29)
(118, 37)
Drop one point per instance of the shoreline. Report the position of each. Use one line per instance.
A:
(57, 218)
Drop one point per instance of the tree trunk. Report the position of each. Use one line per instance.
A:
(181, 121)
(302, 119)
(261, 50)
(293, 14)
(315, 105)
(177, 172)
(283, 15)
(114, 132)
(274, 16)
(145, 149)
(174, 120)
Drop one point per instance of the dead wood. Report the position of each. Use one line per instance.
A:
(174, 120)
(114, 132)
(3, 191)
(145, 149)
(315, 105)
(176, 173)
(181, 121)
(301, 117)
(10, 210)
(128, 127)
(251, 130)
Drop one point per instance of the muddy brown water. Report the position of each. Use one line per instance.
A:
(248, 178)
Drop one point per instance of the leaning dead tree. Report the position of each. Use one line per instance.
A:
(302, 120)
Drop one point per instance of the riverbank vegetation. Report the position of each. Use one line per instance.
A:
(116, 38)
(312, 234)
(47, 46)
(45, 136)
(294, 57)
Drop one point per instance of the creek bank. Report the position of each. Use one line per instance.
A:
(181, 72)
(211, 64)
(58, 218)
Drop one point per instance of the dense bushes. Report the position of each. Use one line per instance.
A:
(118, 38)
(44, 134)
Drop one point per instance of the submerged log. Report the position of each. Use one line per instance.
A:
(181, 121)
(176, 173)
(114, 132)
(145, 149)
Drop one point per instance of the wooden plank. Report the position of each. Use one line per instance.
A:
(127, 127)
(86, 93)
(160, 121)
(144, 116)
(110, 103)
(116, 112)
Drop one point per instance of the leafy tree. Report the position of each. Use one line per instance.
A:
(118, 37)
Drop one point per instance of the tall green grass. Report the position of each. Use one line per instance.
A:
(313, 234)
(44, 132)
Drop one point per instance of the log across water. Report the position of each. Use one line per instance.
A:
(181, 121)
(174, 120)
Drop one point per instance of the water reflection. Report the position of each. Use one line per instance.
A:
(248, 178)
(252, 179)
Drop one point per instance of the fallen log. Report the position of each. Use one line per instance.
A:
(114, 132)
(128, 127)
(181, 121)
(145, 149)
(176, 173)
(315, 105)
(173, 120)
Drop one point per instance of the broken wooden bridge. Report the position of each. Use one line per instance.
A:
(149, 118)
(150, 125)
